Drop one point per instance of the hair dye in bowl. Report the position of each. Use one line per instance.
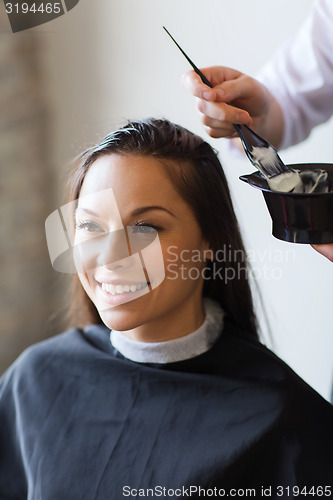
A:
(296, 181)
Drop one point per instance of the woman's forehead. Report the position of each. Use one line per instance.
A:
(136, 176)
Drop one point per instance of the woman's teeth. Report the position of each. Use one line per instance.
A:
(117, 289)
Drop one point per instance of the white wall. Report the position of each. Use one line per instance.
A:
(108, 61)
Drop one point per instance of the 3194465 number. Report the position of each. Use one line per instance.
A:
(35, 8)
(294, 491)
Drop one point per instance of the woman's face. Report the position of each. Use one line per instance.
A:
(145, 279)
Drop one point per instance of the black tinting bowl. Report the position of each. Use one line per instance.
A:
(299, 218)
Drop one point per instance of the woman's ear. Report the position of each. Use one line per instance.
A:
(208, 254)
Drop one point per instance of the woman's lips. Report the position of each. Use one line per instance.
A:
(122, 288)
(116, 292)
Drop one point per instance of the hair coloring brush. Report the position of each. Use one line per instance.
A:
(259, 151)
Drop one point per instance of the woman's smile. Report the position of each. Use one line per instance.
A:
(121, 293)
(116, 287)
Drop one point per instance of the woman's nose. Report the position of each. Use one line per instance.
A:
(113, 248)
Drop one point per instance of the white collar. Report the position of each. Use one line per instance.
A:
(179, 349)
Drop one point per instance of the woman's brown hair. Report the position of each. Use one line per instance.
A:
(197, 175)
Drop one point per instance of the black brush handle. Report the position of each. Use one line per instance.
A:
(196, 69)
(203, 78)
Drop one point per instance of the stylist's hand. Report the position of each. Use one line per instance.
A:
(235, 98)
(325, 250)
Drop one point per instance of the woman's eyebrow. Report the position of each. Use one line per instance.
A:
(90, 212)
(138, 211)
(142, 210)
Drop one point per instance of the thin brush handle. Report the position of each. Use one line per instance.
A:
(198, 72)
(196, 69)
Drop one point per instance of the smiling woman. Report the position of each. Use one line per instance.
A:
(154, 163)
(166, 384)
(139, 183)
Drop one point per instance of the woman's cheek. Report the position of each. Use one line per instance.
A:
(89, 253)
(83, 260)
(183, 263)
(154, 262)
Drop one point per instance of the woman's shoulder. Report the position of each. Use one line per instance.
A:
(252, 360)
(48, 348)
(53, 354)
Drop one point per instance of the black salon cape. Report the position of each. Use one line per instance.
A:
(80, 422)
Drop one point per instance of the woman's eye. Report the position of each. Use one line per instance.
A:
(88, 226)
(144, 228)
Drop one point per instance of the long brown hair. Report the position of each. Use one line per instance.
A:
(197, 175)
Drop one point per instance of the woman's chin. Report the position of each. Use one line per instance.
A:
(120, 320)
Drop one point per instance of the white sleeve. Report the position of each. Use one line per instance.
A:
(300, 76)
